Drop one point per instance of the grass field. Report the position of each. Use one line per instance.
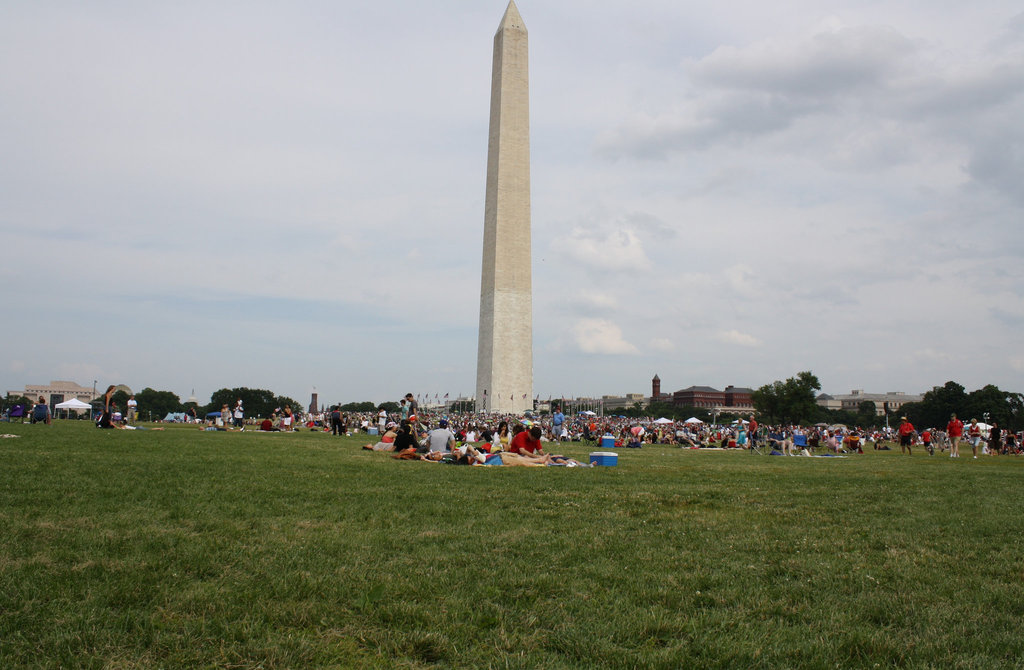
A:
(185, 549)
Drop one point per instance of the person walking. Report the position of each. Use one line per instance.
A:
(995, 442)
(906, 434)
(974, 435)
(955, 430)
(239, 414)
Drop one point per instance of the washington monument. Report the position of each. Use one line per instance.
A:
(504, 368)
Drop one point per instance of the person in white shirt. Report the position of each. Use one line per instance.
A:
(133, 408)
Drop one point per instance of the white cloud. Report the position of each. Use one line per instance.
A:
(604, 250)
(738, 338)
(663, 344)
(598, 336)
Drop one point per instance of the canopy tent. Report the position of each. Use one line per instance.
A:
(663, 420)
(588, 413)
(73, 404)
(693, 419)
(175, 416)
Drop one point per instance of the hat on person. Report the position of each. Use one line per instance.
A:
(443, 423)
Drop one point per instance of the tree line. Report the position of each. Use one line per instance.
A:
(156, 405)
(794, 402)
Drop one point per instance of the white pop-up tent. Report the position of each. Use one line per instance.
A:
(663, 420)
(73, 404)
(693, 419)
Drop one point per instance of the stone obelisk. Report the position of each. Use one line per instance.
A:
(504, 372)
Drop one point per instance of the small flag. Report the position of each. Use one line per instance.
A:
(445, 396)
(485, 393)
(524, 396)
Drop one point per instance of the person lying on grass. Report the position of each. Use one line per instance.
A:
(387, 440)
(533, 460)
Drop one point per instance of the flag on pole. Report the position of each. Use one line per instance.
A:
(485, 393)
(524, 396)
(445, 396)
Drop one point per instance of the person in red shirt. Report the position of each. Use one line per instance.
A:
(527, 442)
(926, 440)
(752, 432)
(906, 433)
(955, 430)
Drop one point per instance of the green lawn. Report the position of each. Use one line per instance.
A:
(184, 549)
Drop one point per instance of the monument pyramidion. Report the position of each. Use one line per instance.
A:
(504, 373)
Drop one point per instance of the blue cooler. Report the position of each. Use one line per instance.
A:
(607, 458)
(608, 442)
(372, 431)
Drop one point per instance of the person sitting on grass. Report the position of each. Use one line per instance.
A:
(527, 441)
(41, 412)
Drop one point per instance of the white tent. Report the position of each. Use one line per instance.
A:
(693, 419)
(663, 420)
(588, 413)
(73, 404)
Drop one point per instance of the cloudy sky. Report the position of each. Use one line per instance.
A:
(278, 195)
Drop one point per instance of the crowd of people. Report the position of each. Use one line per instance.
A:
(468, 438)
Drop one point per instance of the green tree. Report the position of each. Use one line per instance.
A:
(365, 406)
(867, 414)
(282, 401)
(157, 404)
(937, 406)
(994, 403)
(791, 401)
(120, 398)
(257, 402)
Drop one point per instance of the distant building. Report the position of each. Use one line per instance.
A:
(829, 402)
(611, 402)
(57, 392)
(656, 389)
(850, 402)
(699, 396)
(739, 398)
(733, 399)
